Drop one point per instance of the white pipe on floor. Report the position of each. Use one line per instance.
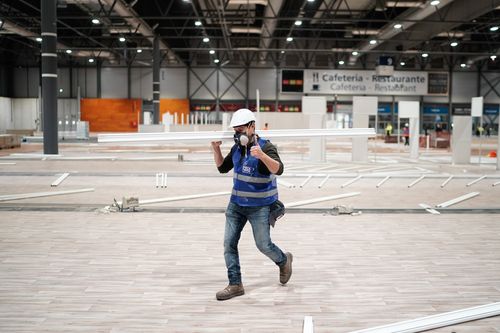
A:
(10, 197)
(60, 179)
(180, 198)
(429, 209)
(350, 181)
(475, 181)
(383, 181)
(324, 181)
(308, 325)
(315, 200)
(446, 181)
(164, 184)
(457, 200)
(305, 181)
(416, 181)
(436, 321)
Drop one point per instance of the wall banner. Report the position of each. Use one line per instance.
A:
(351, 82)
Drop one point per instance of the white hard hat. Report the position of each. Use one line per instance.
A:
(242, 117)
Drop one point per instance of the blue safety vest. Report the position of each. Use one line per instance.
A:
(250, 187)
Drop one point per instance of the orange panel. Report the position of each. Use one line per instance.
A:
(171, 105)
(111, 115)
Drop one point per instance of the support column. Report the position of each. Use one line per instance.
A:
(99, 79)
(450, 99)
(49, 76)
(217, 101)
(156, 81)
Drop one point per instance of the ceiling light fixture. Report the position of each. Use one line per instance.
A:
(425, 55)
(211, 51)
(355, 53)
(494, 28)
(139, 50)
(298, 23)
(197, 23)
(216, 61)
(206, 40)
(122, 39)
(434, 2)
(282, 51)
(341, 62)
(373, 42)
(91, 60)
(96, 21)
(398, 26)
(39, 39)
(453, 44)
(493, 57)
(402, 63)
(68, 51)
(463, 65)
(289, 39)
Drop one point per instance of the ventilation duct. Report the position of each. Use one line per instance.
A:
(269, 25)
(245, 30)
(406, 4)
(14, 28)
(131, 17)
(410, 19)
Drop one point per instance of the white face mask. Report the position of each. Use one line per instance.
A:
(241, 138)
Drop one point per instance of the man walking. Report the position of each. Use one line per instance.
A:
(255, 162)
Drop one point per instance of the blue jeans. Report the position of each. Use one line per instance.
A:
(236, 218)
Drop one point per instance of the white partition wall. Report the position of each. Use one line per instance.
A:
(411, 110)
(26, 112)
(362, 109)
(461, 139)
(315, 109)
(477, 111)
(6, 117)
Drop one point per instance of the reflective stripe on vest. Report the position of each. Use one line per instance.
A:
(254, 194)
(249, 179)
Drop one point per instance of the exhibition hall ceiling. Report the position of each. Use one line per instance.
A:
(416, 34)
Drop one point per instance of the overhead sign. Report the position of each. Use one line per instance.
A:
(436, 109)
(351, 82)
(491, 109)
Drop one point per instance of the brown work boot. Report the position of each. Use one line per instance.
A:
(230, 291)
(286, 269)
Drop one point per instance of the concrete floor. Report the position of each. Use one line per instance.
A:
(66, 265)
